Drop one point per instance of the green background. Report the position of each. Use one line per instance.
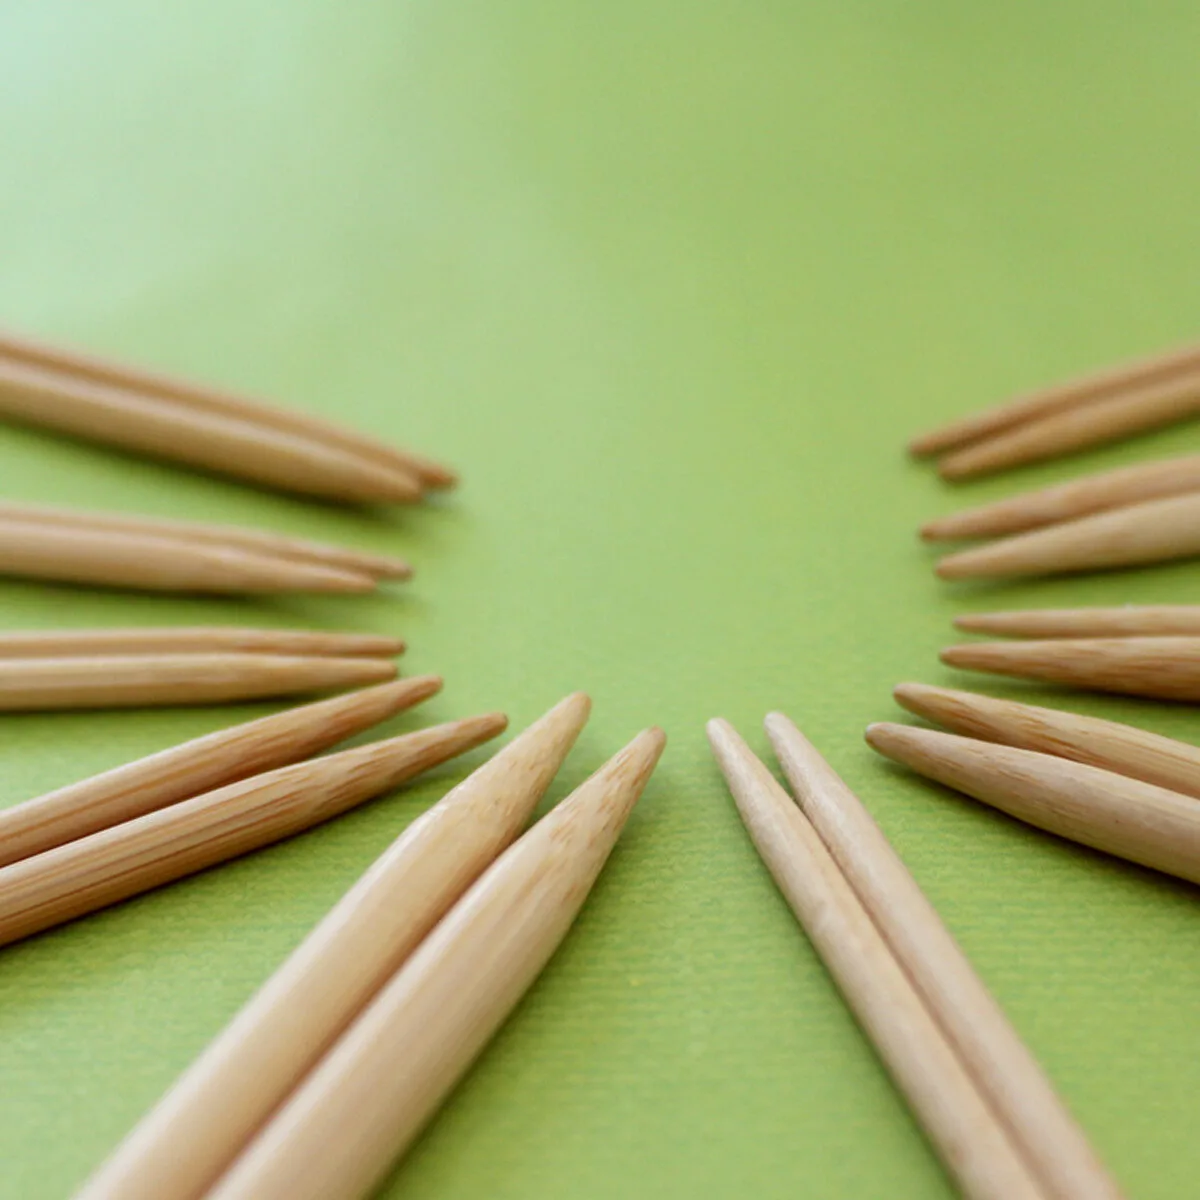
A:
(671, 283)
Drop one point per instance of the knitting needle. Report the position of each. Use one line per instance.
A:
(135, 379)
(1104, 420)
(1155, 531)
(1110, 745)
(1131, 620)
(1006, 1073)
(272, 545)
(362, 1105)
(66, 555)
(1056, 399)
(1069, 501)
(183, 639)
(114, 864)
(974, 1146)
(1125, 817)
(1162, 668)
(147, 680)
(212, 441)
(199, 766)
(196, 1131)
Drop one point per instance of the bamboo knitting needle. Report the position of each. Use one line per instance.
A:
(1125, 817)
(363, 1104)
(1105, 420)
(199, 766)
(975, 1148)
(1006, 1073)
(135, 379)
(1069, 501)
(1162, 668)
(1060, 398)
(1156, 531)
(212, 441)
(197, 1130)
(145, 680)
(184, 639)
(1110, 745)
(1131, 620)
(66, 555)
(106, 867)
(235, 537)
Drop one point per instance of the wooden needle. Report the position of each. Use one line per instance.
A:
(1163, 668)
(199, 766)
(974, 1146)
(109, 559)
(1130, 620)
(1155, 531)
(1125, 817)
(1059, 398)
(1107, 744)
(234, 537)
(212, 441)
(199, 639)
(135, 379)
(1006, 1073)
(363, 1104)
(106, 867)
(1069, 501)
(1104, 420)
(149, 680)
(197, 1130)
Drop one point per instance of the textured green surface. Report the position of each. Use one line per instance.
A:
(670, 282)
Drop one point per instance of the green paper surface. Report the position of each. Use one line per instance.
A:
(670, 283)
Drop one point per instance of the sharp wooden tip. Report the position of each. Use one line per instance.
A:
(884, 736)
(337, 579)
(553, 734)
(394, 568)
(616, 786)
(576, 701)
(437, 477)
(385, 669)
(956, 467)
(720, 732)
(647, 746)
(418, 685)
(925, 700)
(924, 444)
(400, 487)
(782, 729)
(906, 694)
(491, 724)
(978, 656)
(954, 566)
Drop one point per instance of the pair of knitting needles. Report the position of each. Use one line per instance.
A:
(333, 1068)
(1090, 411)
(1151, 651)
(148, 823)
(1145, 531)
(216, 431)
(1110, 786)
(985, 1103)
(122, 550)
(123, 668)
